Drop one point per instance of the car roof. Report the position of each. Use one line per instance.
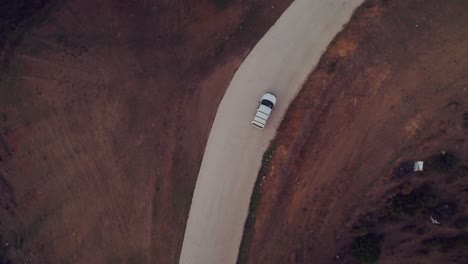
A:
(270, 97)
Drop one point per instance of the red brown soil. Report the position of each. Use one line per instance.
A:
(392, 87)
(105, 109)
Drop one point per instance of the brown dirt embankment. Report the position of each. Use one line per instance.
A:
(391, 88)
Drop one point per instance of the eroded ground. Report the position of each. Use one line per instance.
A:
(391, 89)
(105, 109)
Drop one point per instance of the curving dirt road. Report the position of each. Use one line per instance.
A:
(279, 63)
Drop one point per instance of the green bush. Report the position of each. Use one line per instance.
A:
(367, 248)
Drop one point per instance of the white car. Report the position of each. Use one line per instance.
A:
(267, 103)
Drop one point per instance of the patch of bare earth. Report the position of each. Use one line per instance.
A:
(391, 89)
(105, 109)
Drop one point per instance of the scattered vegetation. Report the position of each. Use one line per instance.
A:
(406, 188)
(403, 169)
(19, 241)
(446, 243)
(70, 43)
(16, 16)
(266, 159)
(413, 229)
(413, 205)
(254, 202)
(455, 176)
(453, 106)
(136, 258)
(444, 211)
(332, 67)
(461, 222)
(4, 258)
(465, 119)
(221, 4)
(367, 248)
(443, 162)
(412, 202)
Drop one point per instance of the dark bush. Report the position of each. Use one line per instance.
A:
(367, 248)
(461, 222)
(414, 202)
(412, 228)
(445, 210)
(332, 67)
(429, 200)
(406, 205)
(403, 169)
(465, 119)
(444, 162)
(446, 243)
(359, 230)
(406, 188)
(409, 228)
(4, 259)
(15, 13)
(422, 252)
(221, 3)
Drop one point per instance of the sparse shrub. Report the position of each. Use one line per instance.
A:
(462, 171)
(445, 210)
(444, 162)
(406, 205)
(409, 227)
(445, 243)
(4, 259)
(367, 248)
(422, 252)
(15, 14)
(430, 200)
(359, 230)
(452, 179)
(365, 223)
(421, 231)
(19, 241)
(332, 67)
(453, 106)
(414, 202)
(403, 169)
(221, 3)
(435, 242)
(368, 4)
(428, 195)
(458, 174)
(254, 203)
(412, 228)
(406, 188)
(461, 222)
(465, 119)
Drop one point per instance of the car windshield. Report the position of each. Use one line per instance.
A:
(267, 103)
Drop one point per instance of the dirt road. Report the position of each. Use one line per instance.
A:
(279, 63)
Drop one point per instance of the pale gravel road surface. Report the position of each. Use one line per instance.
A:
(279, 63)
